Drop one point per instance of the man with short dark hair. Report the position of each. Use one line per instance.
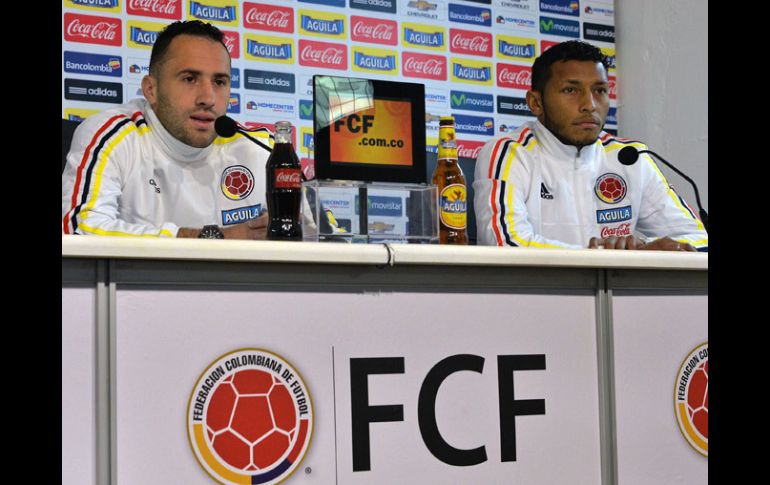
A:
(557, 183)
(154, 167)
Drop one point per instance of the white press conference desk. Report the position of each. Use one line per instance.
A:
(143, 319)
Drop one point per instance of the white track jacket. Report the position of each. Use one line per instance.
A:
(127, 176)
(532, 190)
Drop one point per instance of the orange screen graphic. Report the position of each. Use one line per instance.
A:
(381, 135)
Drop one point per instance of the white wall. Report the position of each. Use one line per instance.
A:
(662, 64)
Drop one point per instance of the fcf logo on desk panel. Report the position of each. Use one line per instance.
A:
(250, 418)
(365, 415)
(691, 398)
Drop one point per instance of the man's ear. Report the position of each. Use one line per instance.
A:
(535, 102)
(150, 90)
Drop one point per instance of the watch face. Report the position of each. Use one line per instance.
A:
(211, 232)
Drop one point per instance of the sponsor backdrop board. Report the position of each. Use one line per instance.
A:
(649, 379)
(474, 56)
(78, 359)
(369, 368)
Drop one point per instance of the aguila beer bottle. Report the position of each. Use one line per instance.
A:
(452, 194)
(284, 188)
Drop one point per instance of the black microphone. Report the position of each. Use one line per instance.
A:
(226, 127)
(628, 155)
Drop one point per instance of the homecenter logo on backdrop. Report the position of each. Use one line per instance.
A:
(272, 107)
(470, 15)
(561, 7)
(90, 29)
(223, 12)
(85, 63)
(323, 54)
(474, 125)
(322, 24)
(470, 42)
(269, 81)
(472, 101)
(162, 9)
(373, 31)
(509, 20)
(424, 66)
(93, 91)
(142, 35)
(516, 48)
(270, 49)
(268, 17)
(388, 6)
(564, 28)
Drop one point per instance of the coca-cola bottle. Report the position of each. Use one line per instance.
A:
(284, 188)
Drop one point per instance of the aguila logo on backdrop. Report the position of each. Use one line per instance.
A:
(250, 418)
(691, 398)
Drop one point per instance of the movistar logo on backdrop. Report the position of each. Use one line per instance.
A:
(554, 26)
(472, 101)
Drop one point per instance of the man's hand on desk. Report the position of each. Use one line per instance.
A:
(633, 242)
(253, 229)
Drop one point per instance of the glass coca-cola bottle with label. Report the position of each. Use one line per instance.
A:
(284, 188)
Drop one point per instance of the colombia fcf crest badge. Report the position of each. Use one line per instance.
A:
(250, 418)
(237, 182)
(691, 398)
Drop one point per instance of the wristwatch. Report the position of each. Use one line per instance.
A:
(211, 232)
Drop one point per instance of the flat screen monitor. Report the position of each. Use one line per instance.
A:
(368, 130)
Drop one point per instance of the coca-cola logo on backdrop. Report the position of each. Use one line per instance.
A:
(375, 31)
(323, 54)
(470, 42)
(268, 17)
(91, 29)
(424, 66)
(468, 148)
(232, 41)
(163, 9)
(613, 87)
(512, 76)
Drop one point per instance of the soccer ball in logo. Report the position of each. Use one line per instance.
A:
(237, 182)
(698, 399)
(251, 420)
(610, 188)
